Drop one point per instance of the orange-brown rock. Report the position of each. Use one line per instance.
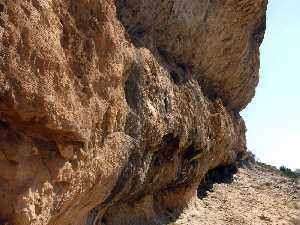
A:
(111, 112)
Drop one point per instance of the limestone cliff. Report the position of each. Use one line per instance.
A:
(111, 112)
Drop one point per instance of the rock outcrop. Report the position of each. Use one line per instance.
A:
(111, 112)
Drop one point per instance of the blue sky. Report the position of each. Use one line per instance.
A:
(273, 116)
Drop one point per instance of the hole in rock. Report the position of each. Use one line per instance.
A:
(131, 88)
(182, 66)
(103, 220)
(175, 77)
(61, 21)
(163, 52)
(167, 149)
(3, 124)
(169, 146)
(2, 7)
(222, 174)
(191, 152)
(167, 105)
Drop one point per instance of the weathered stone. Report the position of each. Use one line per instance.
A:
(146, 94)
(66, 151)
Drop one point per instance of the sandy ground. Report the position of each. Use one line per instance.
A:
(252, 196)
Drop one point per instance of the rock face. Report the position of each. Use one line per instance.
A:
(111, 112)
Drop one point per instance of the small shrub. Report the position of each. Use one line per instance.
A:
(288, 172)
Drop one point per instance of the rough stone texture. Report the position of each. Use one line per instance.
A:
(254, 195)
(111, 112)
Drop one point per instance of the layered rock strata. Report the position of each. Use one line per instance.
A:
(111, 112)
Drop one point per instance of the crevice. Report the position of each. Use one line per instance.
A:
(175, 77)
(131, 88)
(191, 153)
(167, 150)
(2, 7)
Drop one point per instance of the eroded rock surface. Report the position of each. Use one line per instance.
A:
(111, 112)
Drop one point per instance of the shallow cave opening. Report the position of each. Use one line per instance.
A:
(219, 175)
